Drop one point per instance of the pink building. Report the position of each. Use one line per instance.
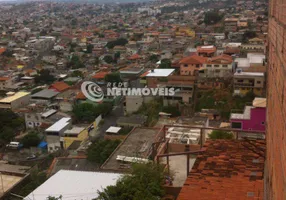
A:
(253, 117)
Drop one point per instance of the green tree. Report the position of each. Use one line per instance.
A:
(75, 62)
(7, 134)
(87, 112)
(118, 42)
(113, 78)
(89, 48)
(248, 35)
(108, 59)
(117, 55)
(217, 134)
(44, 77)
(145, 183)
(10, 124)
(154, 58)
(31, 140)
(173, 110)
(212, 17)
(36, 179)
(77, 73)
(151, 110)
(165, 63)
(100, 150)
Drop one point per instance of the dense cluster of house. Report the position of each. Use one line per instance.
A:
(48, 51)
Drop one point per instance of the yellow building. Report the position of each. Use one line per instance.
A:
(245, 82)
(186, 31)
(75, 134)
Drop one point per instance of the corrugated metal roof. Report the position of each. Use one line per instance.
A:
(59, 125)
(74, 185)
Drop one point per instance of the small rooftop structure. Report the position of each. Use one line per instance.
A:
(72, 163)
(137, 144)
(159, 72)
(74, 131)
(113, 129)
(45, 94)
(14, 97)
(59, 125)
(48, 113)
(244, 115)
(77, 185)
(259, 74)
(11, 176)
(183, 135)
(259, 102)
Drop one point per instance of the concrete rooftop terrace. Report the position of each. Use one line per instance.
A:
(138, 143)
(10, 176)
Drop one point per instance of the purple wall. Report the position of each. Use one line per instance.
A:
(258, 115)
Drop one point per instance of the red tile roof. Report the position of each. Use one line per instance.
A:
(228, 169)
(134, 57)
(100, 75)
(60, 86)
(226, 58)
(195, 59)
(80, 96)
(203, 49)
(144, 74)
(2, 50)
(4, 78)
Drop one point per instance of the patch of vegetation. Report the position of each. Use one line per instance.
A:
(10, 124)
(77, 73)
(100, 150)
(125, 130)
(151, 110)
(223, 101)
(36, 179)
(87, 112)
(165, 63)
(44, 77)
(31, 140)
(173, 110)
(217, 134)
(75, 63)
(212, 17)
(108, 59)
(89, 48)
(118, 42)
(145, 183)
(113, 78)
(154, 58)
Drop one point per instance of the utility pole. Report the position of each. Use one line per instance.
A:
(2, 182)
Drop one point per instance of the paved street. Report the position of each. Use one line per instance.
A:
(109, 120)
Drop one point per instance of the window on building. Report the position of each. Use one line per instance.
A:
(217, 71)
(239, 81)
(224, 65)
(185, 65)
(216, 65)
(236, 125)
(258, 82)
(209, 65)
(263, 123)
(198, 66)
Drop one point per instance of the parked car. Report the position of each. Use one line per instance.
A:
(14, 145)
(31, 157)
